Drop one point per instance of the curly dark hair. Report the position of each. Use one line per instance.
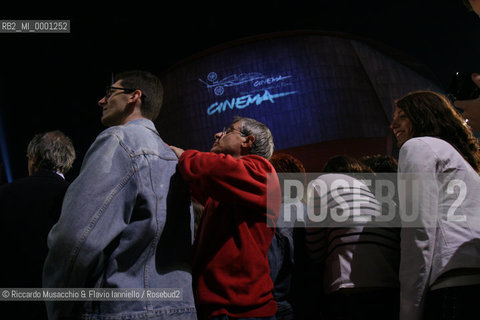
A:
(286, 164)
(380, 162)
(344, 164)
(432, 114)
(283, 162)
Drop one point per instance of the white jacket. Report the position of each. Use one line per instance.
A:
(446, 235)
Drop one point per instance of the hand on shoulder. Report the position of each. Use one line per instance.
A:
(178, 151)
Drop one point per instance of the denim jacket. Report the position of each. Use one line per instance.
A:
(126, 222)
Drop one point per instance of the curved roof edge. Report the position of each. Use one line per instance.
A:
(396, 54)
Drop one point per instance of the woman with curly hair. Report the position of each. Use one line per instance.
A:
(440, 249)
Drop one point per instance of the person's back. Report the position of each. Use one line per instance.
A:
(29, 207)
(157, 255)
(231, 248)
(360, 258)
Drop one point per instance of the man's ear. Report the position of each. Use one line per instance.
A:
(134, 102)
(247, 144)
(31, 166)
(135, 96)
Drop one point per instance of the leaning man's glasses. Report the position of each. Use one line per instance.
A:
(229, 130)
(110, 89)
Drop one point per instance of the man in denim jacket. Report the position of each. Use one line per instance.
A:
(126, 221)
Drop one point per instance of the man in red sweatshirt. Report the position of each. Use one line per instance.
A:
(231, 275)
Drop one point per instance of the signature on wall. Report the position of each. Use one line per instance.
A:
(257, 79)
(260, 91)
(244, 101)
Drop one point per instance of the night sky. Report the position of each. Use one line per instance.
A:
(53, 81)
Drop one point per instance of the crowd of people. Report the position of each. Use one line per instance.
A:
(217, 226)
(143, 214)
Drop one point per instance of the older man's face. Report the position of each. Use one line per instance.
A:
(230, 141)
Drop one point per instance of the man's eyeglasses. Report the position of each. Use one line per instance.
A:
(110, 89)
(229, 130)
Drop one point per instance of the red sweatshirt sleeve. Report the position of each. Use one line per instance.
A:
(225, 178)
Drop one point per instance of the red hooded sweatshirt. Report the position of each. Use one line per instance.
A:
(231, 274)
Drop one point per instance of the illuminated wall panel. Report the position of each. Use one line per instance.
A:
(307, 87)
